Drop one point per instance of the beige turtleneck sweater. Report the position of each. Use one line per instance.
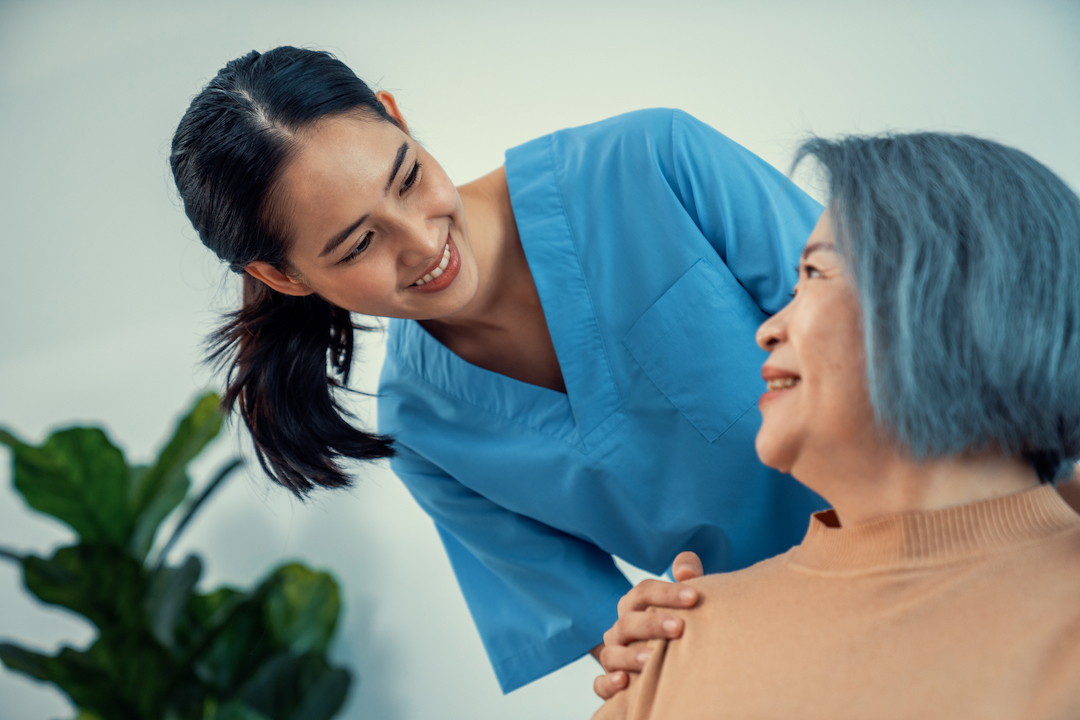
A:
(967, 612)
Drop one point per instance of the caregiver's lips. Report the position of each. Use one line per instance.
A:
(442, 272)
(777, 382)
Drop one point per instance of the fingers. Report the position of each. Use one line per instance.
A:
(657, 593)
(629, 659)
(639, 626)
(687, 566)
(607, 685)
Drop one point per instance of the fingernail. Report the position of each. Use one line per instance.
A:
(686, 595)
(643, 656)
(671, 625)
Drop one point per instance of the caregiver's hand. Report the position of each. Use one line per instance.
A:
(619, 654)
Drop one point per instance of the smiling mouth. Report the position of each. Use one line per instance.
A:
(782, 383)
(438, 269)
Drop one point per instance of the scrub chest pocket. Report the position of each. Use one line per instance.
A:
(696, 343)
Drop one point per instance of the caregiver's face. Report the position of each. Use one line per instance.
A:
(375, 225)
(816, 403)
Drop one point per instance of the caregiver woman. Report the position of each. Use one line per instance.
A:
(571, 370)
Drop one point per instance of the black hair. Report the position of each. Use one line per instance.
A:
(286, 355)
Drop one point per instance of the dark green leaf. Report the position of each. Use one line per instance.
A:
(100, 582)
(168, 596)
(323, 698)
(301, 608)
(25, 661)
(78, 477)
(165, 485)
(237, 711)
(9, 554)
(275, 688)
(292, 687)
(236, 644)
(140, 670)
(87, 715)
(77, 674)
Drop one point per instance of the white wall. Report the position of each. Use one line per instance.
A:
(106, 293)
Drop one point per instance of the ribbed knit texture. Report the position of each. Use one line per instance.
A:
(967, 612)
(923, 539)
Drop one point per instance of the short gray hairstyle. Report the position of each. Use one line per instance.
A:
(966, 256)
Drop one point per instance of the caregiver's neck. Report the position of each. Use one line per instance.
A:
(876, 480)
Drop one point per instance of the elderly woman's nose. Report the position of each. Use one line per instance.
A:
(773, 331)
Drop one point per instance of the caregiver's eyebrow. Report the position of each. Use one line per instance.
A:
(814, 247)
(342, 236)
(397, 166)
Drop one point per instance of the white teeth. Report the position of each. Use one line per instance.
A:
(437, 271)
(781, 383)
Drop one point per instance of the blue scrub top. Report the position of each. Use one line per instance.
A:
(658, 246)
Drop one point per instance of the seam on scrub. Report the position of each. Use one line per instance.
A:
(674, 324)
(734, 422)
(584, 278)
(486, 411)
(555, 637)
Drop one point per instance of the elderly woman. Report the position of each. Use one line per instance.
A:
(925, 380)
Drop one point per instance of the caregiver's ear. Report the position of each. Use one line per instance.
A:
(390, 105)
(277, 280)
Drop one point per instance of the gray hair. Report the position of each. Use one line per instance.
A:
(966, 256)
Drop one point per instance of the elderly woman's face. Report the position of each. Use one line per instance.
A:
(816, 404)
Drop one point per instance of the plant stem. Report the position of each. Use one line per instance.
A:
(223, 473)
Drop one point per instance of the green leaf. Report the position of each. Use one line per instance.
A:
(11, 555)
(236, 643)
(78, 477)
(301, 608)
(297, 687)
(141, 672)
(274, 690)
(237, 710)
(25, 661)
(100, 582)
(156, 493)
(87, 715)
(168, 597)
(76, 673)
(323, 698)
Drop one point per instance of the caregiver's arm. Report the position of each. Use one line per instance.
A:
(622, 651)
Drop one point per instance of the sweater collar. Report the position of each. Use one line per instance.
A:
(921, 539)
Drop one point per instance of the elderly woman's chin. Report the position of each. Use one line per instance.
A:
(777, 447)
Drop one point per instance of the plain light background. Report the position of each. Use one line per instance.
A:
(107, 294)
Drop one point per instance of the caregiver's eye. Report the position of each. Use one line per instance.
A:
(359, 249)
(410, 179)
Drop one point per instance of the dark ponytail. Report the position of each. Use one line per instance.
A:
(286, 355)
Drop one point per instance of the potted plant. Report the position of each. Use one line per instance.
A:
(165, 649)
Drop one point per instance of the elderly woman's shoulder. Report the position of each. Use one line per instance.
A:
(731, 588)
